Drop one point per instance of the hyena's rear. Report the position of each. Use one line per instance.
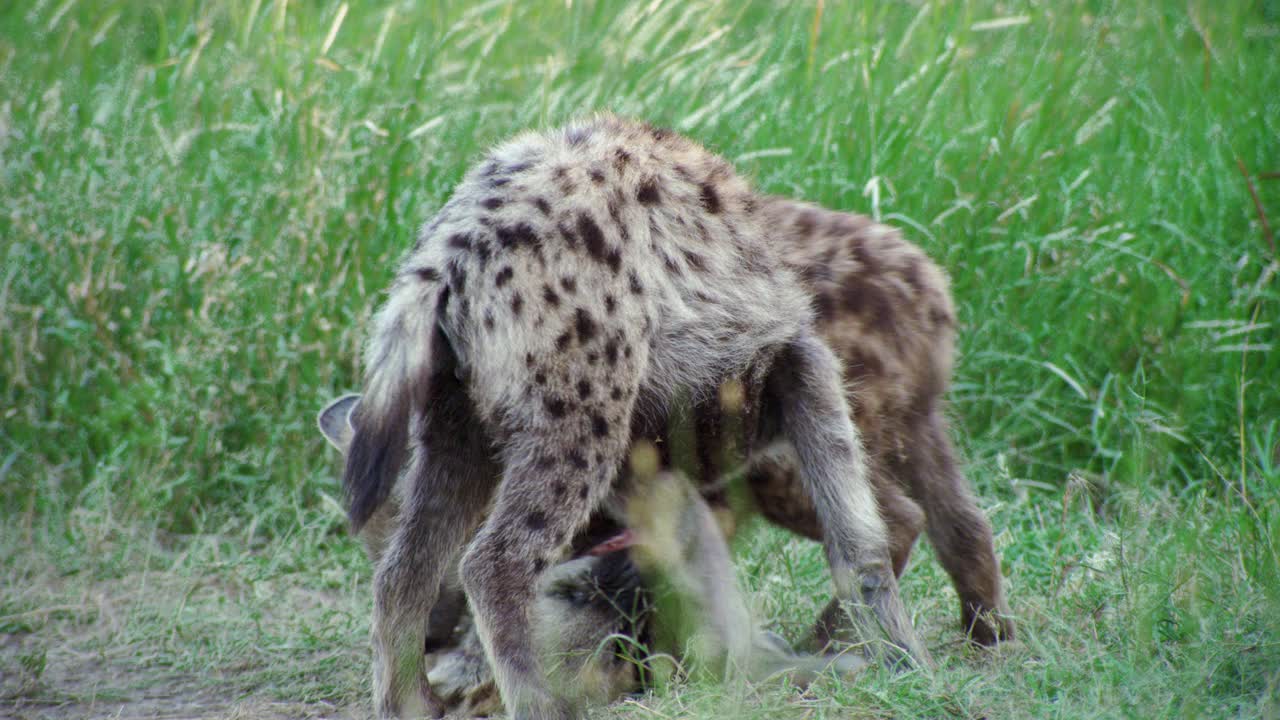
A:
(574, 286)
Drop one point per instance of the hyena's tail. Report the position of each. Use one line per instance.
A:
(405, 350)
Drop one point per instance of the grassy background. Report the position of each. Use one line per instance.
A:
(200, 202)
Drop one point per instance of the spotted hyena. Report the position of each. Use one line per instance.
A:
(577, 284)
(885, 308)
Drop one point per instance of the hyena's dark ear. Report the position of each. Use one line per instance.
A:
(335, 422)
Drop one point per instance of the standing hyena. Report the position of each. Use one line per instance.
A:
(885, 308)
(574, 286)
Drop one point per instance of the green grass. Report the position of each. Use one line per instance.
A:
(201, 202)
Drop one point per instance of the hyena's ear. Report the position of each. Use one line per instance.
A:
(335, 422)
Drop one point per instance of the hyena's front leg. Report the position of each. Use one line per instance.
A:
(806, 387)
(337, 424)
(448, 482)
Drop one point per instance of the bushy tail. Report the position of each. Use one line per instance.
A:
(402, 355)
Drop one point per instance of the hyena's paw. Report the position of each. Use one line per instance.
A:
(409, 702)
(481, 700)
(463, 680)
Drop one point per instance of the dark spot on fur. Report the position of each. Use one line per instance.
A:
(592, 237)
(805, 222)
(634, 281)
(543, 206)
(540, 378)
(558, 488)
(515, 235)
(593, 357)
(614, 261)
(610, 304)
(599, 426)
(577, 460)
(499, 182)
(460, 241)
(611, 352)
(544, 462)
(584, 389)
(648, 193)
(536, 520)
(670, 263)
(488, 319)
(749, 205)
(596, 175)
(549, 294)
(428, 274)
(517, 302)
(504, 275)
(585, 325)
(696, 261)
(615, 394)
(703, 234)
(562, 342)
(621, 158)
(569, 284)
(577, 135)
(864, 257)
(709, 198)
(457, 278)
(940, 316)
(626, 351)
(659, 133)
(492, 203)
(539, 564)
(584, 491)
(824, 306)
(556, 407)
(911, 274)
(482, 252)
(568, 234)
(860, 364)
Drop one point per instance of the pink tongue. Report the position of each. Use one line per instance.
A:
(622, 540)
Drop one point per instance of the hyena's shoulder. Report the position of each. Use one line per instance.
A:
(881, 303)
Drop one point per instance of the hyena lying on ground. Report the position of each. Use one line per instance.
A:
(576, 284)
(885, 307)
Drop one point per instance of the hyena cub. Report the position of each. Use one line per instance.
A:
(575, 285)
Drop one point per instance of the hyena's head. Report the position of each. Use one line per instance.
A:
(590, 615)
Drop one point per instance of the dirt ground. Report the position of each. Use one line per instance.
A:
(174, 647)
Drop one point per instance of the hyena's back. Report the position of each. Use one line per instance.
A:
(615, 243)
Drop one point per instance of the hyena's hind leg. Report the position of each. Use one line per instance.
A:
(773, 477)
(560, 460)
(958, 530)
(447, 484)
(806, 387)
